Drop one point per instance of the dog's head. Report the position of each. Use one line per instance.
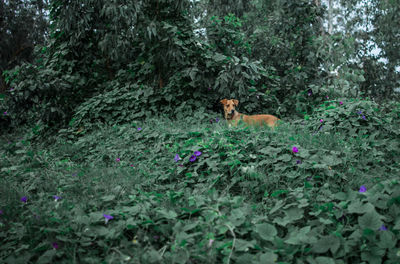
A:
(229, 107)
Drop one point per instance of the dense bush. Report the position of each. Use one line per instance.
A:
(195, 191)
(355, 117)
(136, 168)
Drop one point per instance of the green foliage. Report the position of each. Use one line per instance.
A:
(267, 54)
(144, 173)
(356, 118)
(367, 126)
(4, 113)
(114, 107)
(245, 197)
(23, 25)
(287, 41)
(174, 65)
(372, 24)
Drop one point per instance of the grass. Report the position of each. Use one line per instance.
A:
(247, 198)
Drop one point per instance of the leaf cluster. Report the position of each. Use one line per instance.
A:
(247, 197)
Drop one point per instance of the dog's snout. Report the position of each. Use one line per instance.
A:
(232, 112)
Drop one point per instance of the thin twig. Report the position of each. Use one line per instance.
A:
(233, 243)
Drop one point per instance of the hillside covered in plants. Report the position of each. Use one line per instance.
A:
(114, 147)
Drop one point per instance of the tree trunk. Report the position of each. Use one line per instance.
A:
(320, 21)
(330, 22)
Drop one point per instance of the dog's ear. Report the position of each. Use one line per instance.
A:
(224, 101)
(236, 102)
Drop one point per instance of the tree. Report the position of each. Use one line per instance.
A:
(375, 27)
(23, 25)
(387, 37)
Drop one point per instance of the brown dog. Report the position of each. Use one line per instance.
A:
(234, 117)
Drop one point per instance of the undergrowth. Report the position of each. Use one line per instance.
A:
(320, 190)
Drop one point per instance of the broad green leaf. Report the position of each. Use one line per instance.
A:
(370, 220)
(168, 214)
(237, 217)
(243, 245)
(387, 239)
(190, 226)
(373, 255)
(270, 151)
(325, 260)
(268, 258)
(326, 243)
(108, 198)
(397, 225)
(152, 256)
(277, 206)
(285, 157)
(331, 160)
(266, 231)
(47, 257)
(359, 207)
(298, 237)
(304, 153)
(325, 221)
(219, 57)
(294, 213)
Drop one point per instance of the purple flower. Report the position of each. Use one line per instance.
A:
(74, 174)
(210, 242)
(321, 120)
(139, 128)
(327, 97)
(363, 117)
(1, 212)
(320, 128)
(180, 165)
(298, 161)
(309, 93)
(197, 153)
(192, 158)
(56, 198)
(383, 228)
(217, 119)
(359, 112)
(117, 159)
(340, 102)
(131, 165)
(295, 149)
(24, 199)
(54, 245)
(177, 158)
(5, 113)
(108, 217)
(309, 178)
(362, 189)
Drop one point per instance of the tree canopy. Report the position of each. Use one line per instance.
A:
(171, 56)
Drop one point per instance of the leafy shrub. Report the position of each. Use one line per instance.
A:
(353, 117)
(240, 194)
(48, 90)
(4, 112)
